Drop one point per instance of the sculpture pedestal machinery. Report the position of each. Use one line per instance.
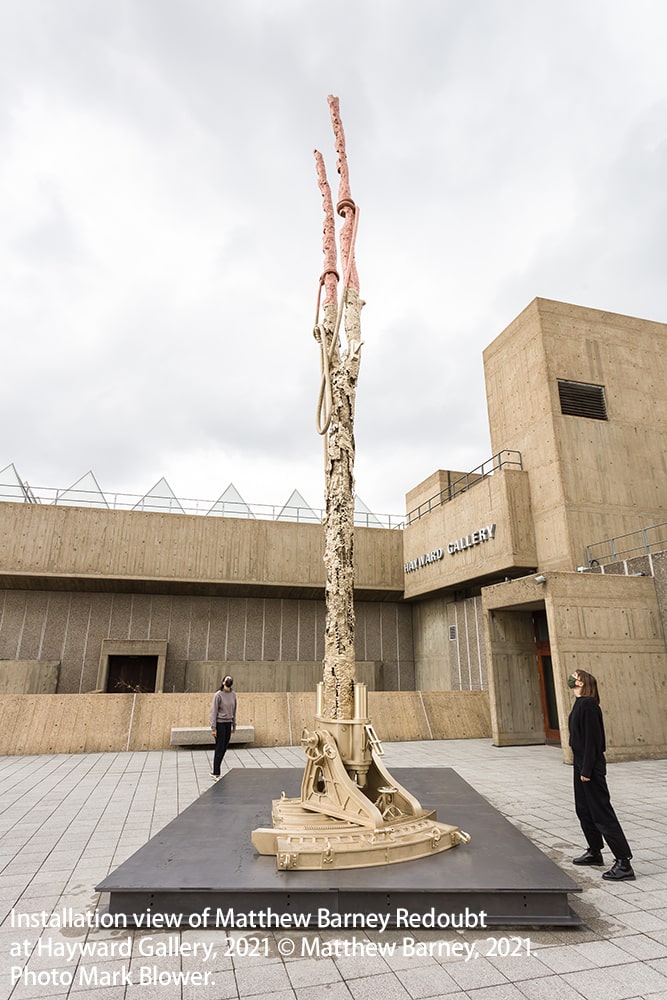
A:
(351, 813)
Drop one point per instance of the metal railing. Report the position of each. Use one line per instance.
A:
(642, 542)
(466, 482)
(15, 493)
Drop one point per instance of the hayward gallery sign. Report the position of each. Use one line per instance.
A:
(460, 545)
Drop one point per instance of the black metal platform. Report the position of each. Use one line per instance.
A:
(205, 858)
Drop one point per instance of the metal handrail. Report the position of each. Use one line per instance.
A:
(617, 549)
(466, 482)
(11, 492)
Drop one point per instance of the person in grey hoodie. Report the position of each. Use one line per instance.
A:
(223, 721)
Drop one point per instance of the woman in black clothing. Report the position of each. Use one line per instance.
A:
(591, 795)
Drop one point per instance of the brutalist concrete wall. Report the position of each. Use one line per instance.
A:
(589, 479)
(43, 541)
(659, 561)
(449, 645)
(282, 675)
(654, 565)
(608, 624)
(69, 627)
(98, 723)
(28, 676)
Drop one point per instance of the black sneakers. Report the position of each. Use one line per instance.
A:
(589, 857)
(621, 869)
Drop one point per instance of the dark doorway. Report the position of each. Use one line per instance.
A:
(546, 674)
(132, 673)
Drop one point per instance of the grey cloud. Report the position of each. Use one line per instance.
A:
(498, 152)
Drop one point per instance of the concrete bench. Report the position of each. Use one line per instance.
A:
(194, 736)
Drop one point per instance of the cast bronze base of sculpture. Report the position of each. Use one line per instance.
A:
(351, 812)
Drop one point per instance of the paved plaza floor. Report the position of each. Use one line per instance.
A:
(67, 821)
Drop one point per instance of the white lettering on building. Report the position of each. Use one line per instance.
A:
(474, 538)
(429, 557)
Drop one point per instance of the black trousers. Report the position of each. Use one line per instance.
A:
(223, 732)
(596, 813)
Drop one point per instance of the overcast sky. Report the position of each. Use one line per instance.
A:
(160, 223)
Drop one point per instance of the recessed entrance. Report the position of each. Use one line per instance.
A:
(132, 673)
(132, 666)
(546, 674)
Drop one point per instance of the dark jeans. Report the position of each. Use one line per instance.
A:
(596, 813)
(223, 732)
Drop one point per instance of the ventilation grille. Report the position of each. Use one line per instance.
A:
(452, 632)
(579, 399)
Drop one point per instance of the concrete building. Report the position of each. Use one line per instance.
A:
(530, 567)
(503, 579)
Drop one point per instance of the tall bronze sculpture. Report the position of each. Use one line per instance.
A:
(351, 812)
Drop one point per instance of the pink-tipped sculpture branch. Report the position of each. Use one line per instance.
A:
(351, 813)
(340, 371)
(345, 207)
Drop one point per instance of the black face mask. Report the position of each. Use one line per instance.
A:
(572, 682)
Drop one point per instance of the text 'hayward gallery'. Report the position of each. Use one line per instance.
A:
(551, 556)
